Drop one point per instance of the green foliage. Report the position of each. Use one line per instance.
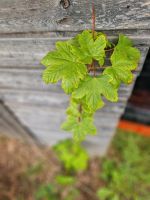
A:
(72, 155)
(124, 59)
(76, 63)
(91, 90)
(47, 192)
(79, 129)
(63, 65)
(86, 49)
(65, 180)
(104, 193)
(54, 190)
(127, 177)
(67, 183)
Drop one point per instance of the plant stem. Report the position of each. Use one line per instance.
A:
(92, 69)
(93, 19)
(109, 49)
(93, 32)
(80, 111)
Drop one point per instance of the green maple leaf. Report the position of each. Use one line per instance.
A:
(91, 89)
(124, 59)
(119, 74)
(63, 65)
(78, 109)
(79, 128)
(125, 53)
(73, 109)
(89, 49)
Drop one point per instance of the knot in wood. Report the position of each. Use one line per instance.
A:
(65, 3)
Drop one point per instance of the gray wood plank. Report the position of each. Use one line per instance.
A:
(45, 123)
(55, 97)
(31, 78)
(27, 52)
(10, 125)
(48, 97)
(46, 15)
(51, 117)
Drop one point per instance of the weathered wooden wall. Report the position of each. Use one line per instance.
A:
(29, 29)
(50, 15)
(11, 126)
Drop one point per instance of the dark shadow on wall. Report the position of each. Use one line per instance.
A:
(138, 107)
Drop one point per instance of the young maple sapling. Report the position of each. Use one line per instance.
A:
(80, 65)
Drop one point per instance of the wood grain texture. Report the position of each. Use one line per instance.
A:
(27, 52)
(44, 111)
(30, 79)
(53, 98)
(45, 122)
(41, 107)
(49, 15)
(10, 125)
(26, 80)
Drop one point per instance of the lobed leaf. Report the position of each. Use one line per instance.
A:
(88, 49)
(79, 128)
(92, 88)
(124, 59)
(63, 65)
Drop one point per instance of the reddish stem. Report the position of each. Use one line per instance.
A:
(93, 19)
(93, 31)
(109, 49)
(80, 111)
(92, 69)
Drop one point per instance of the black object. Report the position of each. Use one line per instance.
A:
(138, 106)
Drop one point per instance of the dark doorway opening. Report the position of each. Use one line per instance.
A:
(138, 107)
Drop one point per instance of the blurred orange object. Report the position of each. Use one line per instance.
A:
(135, 127)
